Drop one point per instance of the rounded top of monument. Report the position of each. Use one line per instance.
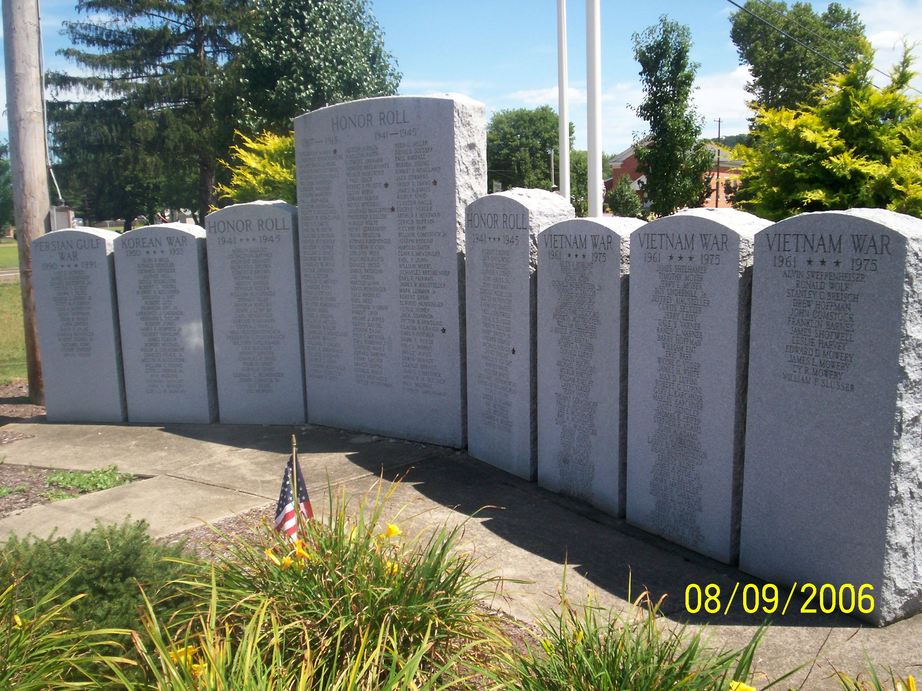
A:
(909, 226)
(108, 235)
(533, 198)
(384, 101)
(157, 228)
(278, 204)
(620, 225)
(742, 223)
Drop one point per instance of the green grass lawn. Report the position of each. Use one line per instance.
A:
(12, 345)
(9, 254)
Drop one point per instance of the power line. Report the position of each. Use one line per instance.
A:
(813, 50)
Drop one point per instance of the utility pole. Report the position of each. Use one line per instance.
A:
(26, 116)
(717, 181)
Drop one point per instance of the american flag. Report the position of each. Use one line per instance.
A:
(286, 519)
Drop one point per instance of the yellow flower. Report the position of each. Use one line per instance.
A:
(579, 636)
(271, 557)
(393, 530)
(910, 683)
(740, 686)
(183, 656)
(287, 561)
(198, 669)
(17, 620)
(391, 568)
(300, 552)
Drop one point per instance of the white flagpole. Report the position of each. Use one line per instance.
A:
(563, 100)
(594, 106)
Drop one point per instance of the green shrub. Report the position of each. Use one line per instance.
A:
(106, 564)
(586, 649)
(262, 168)
(354, 596)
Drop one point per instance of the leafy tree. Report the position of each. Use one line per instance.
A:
(263, 168)
(518, 141)
(784, 72)
(6, 189)
(300, 55)
(857, 146)
(622, 200)
(672, 157)
(166, 57)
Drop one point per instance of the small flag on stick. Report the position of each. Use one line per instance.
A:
(286, 517)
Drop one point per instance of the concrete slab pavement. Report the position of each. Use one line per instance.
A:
(515, 529)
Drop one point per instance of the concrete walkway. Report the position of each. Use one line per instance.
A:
(515, 529)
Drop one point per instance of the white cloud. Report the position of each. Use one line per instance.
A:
(548, 96)
(723, 95)
(887, 25)
(420, 86)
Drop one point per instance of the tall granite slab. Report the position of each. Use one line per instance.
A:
(255, 312)
(162, 281)
(502, 253)
(77, 320)
(833, 483)
(689, 318)
(582, 359)
(382, 187)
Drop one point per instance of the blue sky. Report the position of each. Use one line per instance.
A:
(504, 53)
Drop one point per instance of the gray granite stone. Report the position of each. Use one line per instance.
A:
(833, 478)
(255, 312)
(162, 281)
(689, 314)
(382, 187)
(581, 336)
(502, 255)
(77, 319)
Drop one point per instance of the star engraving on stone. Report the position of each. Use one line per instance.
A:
(837, 262)
(435, 183)
(680, 257)
(809, 262)
(385, 185)
(513, 351)
(670, 257)
(822, 262)
(443, 329)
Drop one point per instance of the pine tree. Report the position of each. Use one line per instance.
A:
(166, 58)
(623, 201)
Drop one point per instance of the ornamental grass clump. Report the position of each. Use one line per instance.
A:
(587, 648)
(351, 595)
(41, 649)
